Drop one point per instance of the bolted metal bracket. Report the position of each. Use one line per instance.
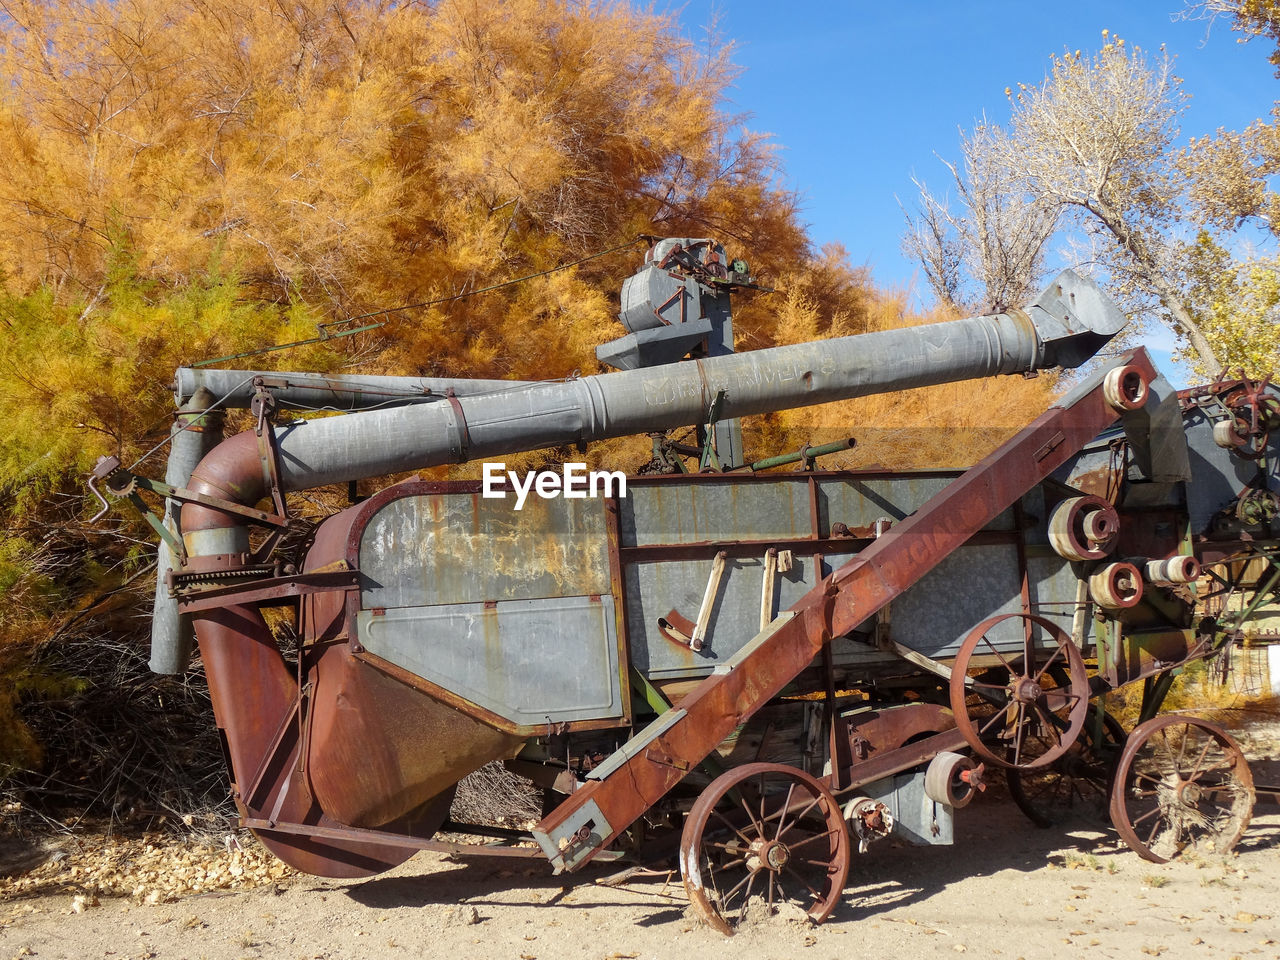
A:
(710, 459)
(576, 839)
(264, 411)
(123, 484)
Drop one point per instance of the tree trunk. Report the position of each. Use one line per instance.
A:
(1183, 324)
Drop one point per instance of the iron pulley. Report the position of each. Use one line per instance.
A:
(1116, 586)
(1083, 528)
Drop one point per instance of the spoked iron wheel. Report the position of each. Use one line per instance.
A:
(1077, 784)
(759, 836)
(1025, 707)
(1181, 782)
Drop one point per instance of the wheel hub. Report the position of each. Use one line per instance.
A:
(1026, 690)
(1189, 793)
(768, 855)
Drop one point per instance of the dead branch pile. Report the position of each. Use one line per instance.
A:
(495, 795)
(118, 741)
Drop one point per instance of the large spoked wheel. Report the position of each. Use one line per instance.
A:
(759, 836)
(1077, 784)
(1182, 782)
(1019, 708)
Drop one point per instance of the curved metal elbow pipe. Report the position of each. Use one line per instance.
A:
(250, 685)
(232, 471)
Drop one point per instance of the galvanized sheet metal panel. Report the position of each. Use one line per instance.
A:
(668, 513)
(463, 548)
(933, 617)
(529, 661)
(448, 551)
(965, 588)
(653, 589)
(858, 502)
(1054, 585)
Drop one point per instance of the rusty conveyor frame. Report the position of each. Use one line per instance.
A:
(659, 756)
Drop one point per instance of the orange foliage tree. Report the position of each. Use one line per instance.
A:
(190, 178)
(363, 153)
(184, 179)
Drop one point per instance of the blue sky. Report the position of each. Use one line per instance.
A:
(861, 96)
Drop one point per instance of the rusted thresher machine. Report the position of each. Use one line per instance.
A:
(749, 670)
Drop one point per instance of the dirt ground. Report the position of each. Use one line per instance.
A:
(1005, 889)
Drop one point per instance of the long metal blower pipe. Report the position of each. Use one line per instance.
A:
(1065, 326)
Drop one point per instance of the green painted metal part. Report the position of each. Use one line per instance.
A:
(1259, 595)
(156, 524)
(1154, 690)
(710, 458)
(807, 454)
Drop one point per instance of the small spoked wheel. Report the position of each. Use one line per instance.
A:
(1077, 784)
(1182, 782)
(1019, 705)
(760, 836)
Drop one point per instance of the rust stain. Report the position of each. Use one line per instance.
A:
(1097, 483)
